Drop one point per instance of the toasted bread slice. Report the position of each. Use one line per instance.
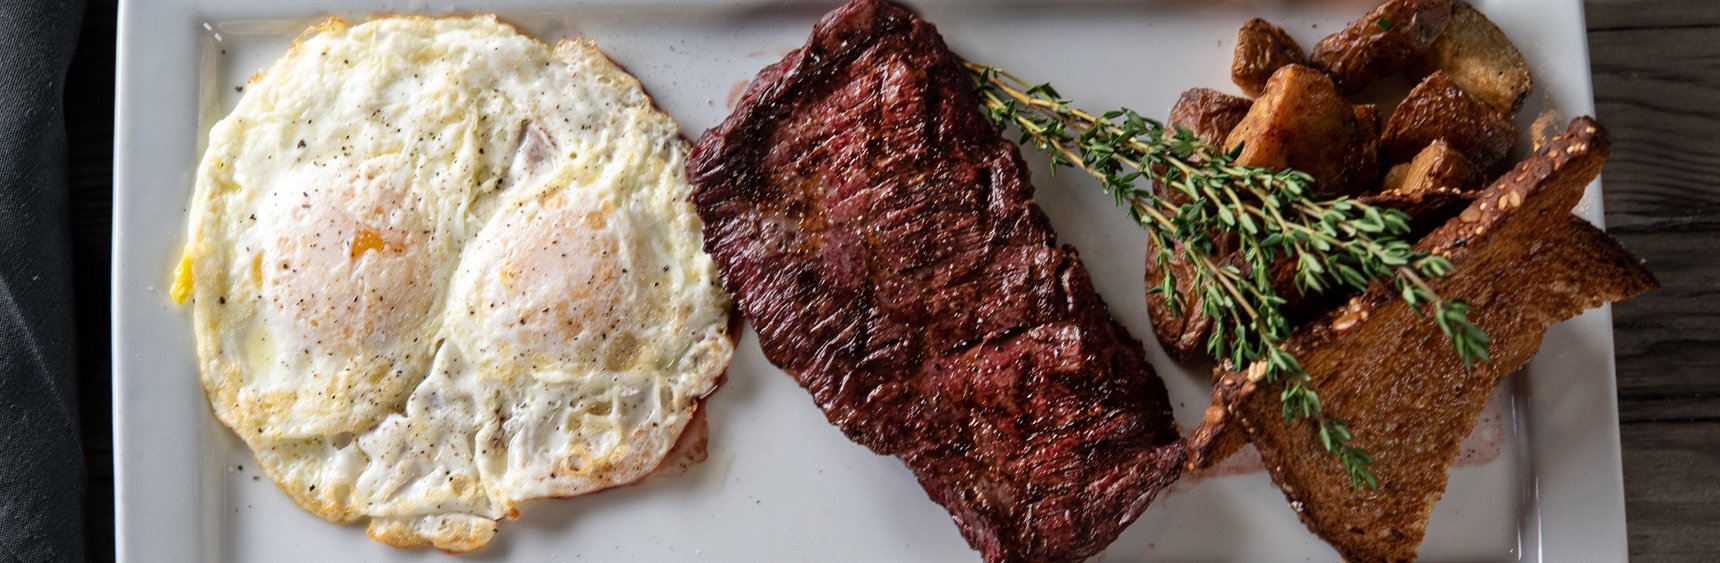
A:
(1481, 59)
(1439, 109)
(1524, 262)
(1391, 38)
(1262, 49)
(1215, 439)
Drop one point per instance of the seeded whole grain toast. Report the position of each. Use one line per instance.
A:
(1523, 261)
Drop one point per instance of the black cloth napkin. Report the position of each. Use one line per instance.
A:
(41, 461)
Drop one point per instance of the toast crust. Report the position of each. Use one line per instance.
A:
(1523, 261)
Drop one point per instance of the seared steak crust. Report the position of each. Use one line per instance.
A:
(882, 238)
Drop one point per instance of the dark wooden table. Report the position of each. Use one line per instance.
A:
(1657, 87)
(1657, 82)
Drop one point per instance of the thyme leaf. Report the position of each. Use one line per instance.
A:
(1273, 214)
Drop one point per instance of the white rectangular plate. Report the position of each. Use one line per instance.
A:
(781, 484)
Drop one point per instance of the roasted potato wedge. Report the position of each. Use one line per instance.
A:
(1438, 109)
(1391, 38)
(1435, 168)
(1182, 333)
(1301, 122)
(1209, 114)
(1262, 49)
(1368, 117)
(1481, 60)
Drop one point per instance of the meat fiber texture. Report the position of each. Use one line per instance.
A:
(882, 238)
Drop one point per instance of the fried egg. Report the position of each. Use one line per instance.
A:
(437, 267)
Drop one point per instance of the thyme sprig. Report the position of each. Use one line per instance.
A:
(1273, 215)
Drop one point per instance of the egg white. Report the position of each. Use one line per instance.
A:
(438, 268)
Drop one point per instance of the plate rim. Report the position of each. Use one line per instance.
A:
(162, 35)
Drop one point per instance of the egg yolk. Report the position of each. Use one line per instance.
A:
(366, 240)
(343, 264)
(181, 290)
(556, 283)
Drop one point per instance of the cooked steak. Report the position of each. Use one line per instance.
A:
(882, 238)
(1523, 261)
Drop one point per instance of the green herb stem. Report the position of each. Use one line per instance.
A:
(1274, 216)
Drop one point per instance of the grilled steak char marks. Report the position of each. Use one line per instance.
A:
(882, 238)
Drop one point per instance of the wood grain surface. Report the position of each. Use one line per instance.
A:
(1657, 87)
(1657, 82)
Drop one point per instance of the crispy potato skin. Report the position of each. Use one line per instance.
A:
(1436, 167)
(1182, 334)
(1302, 122)
(1262, 49)
(1368, 115)
(1427, 209)
(1481, 59)
(1391, 38)
(1438, 109)
(1209, 114)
